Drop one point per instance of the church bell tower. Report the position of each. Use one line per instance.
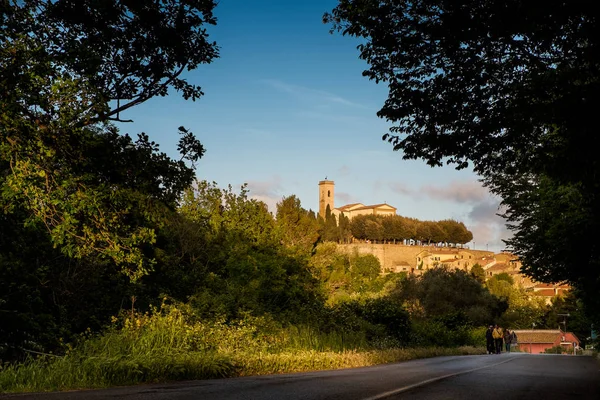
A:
(325, 196)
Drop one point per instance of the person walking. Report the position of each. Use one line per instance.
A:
(513, 339)
(507, 340)
(489, 340)
(498, 335)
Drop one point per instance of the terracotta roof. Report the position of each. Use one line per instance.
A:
(442, 251)
(544, 292)
(538, 336)
(347, 206)
(544, 286)
(498, 267)
(373, 207)
(506, 257)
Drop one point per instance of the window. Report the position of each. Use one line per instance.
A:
(328, 193)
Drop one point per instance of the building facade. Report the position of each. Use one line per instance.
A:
(326, 198)
(537, 341)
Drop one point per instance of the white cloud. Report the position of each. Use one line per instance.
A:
(315, 97)
(268, 191)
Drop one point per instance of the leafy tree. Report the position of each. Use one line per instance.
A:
(387, 312)
(430, 231)
(83, 206)
(66, 67)
(374, 229)
(296, 227)
(572, 313)
(365, 266)
(523, 309)
(511, 90)
(392, 228)
(357, 227)
(344, 228)
(503, 276)
(329, 227)
(441, 293)
(455, 232)
(409, 226)
(239, 263)
(478, 273)
(479, 81)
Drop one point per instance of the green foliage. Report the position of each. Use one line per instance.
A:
(521, 118)
(296, 227)
(440, 293)
(234, 259)
(365, 267)
(330, 231)
(425, 333)
(523, 309)
(565, 216)
(555, 350)
(97, 193)
(503, 276)
(398, 228)
(478, 273)
(573, 317)
(450, 94)
(170, 343)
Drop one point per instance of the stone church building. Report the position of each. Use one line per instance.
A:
(326, 198)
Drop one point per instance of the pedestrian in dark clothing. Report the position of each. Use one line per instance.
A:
(507, 340)
(489, 340)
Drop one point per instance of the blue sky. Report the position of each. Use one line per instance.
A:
(286, 105)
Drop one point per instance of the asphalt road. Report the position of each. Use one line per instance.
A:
(486, 377)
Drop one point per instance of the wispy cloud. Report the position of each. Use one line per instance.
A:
(314, 96)
(402, 189)
(344, 170)
(328, 116)
(457, 191)
(345, 198)
(268, 191)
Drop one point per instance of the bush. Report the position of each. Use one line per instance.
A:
(427, 333)
(555, 350)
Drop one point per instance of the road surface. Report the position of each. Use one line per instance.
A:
(485, 377)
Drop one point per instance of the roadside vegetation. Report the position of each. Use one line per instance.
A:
(170, 344)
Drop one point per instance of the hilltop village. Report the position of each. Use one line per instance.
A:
(413, 257)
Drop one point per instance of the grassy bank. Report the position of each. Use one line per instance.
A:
(101, 372)
(167, 346)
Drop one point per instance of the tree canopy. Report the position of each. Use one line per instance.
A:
(70, 68)
(396, 227)
(511, 89)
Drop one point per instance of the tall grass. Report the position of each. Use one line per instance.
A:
(169, 345)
